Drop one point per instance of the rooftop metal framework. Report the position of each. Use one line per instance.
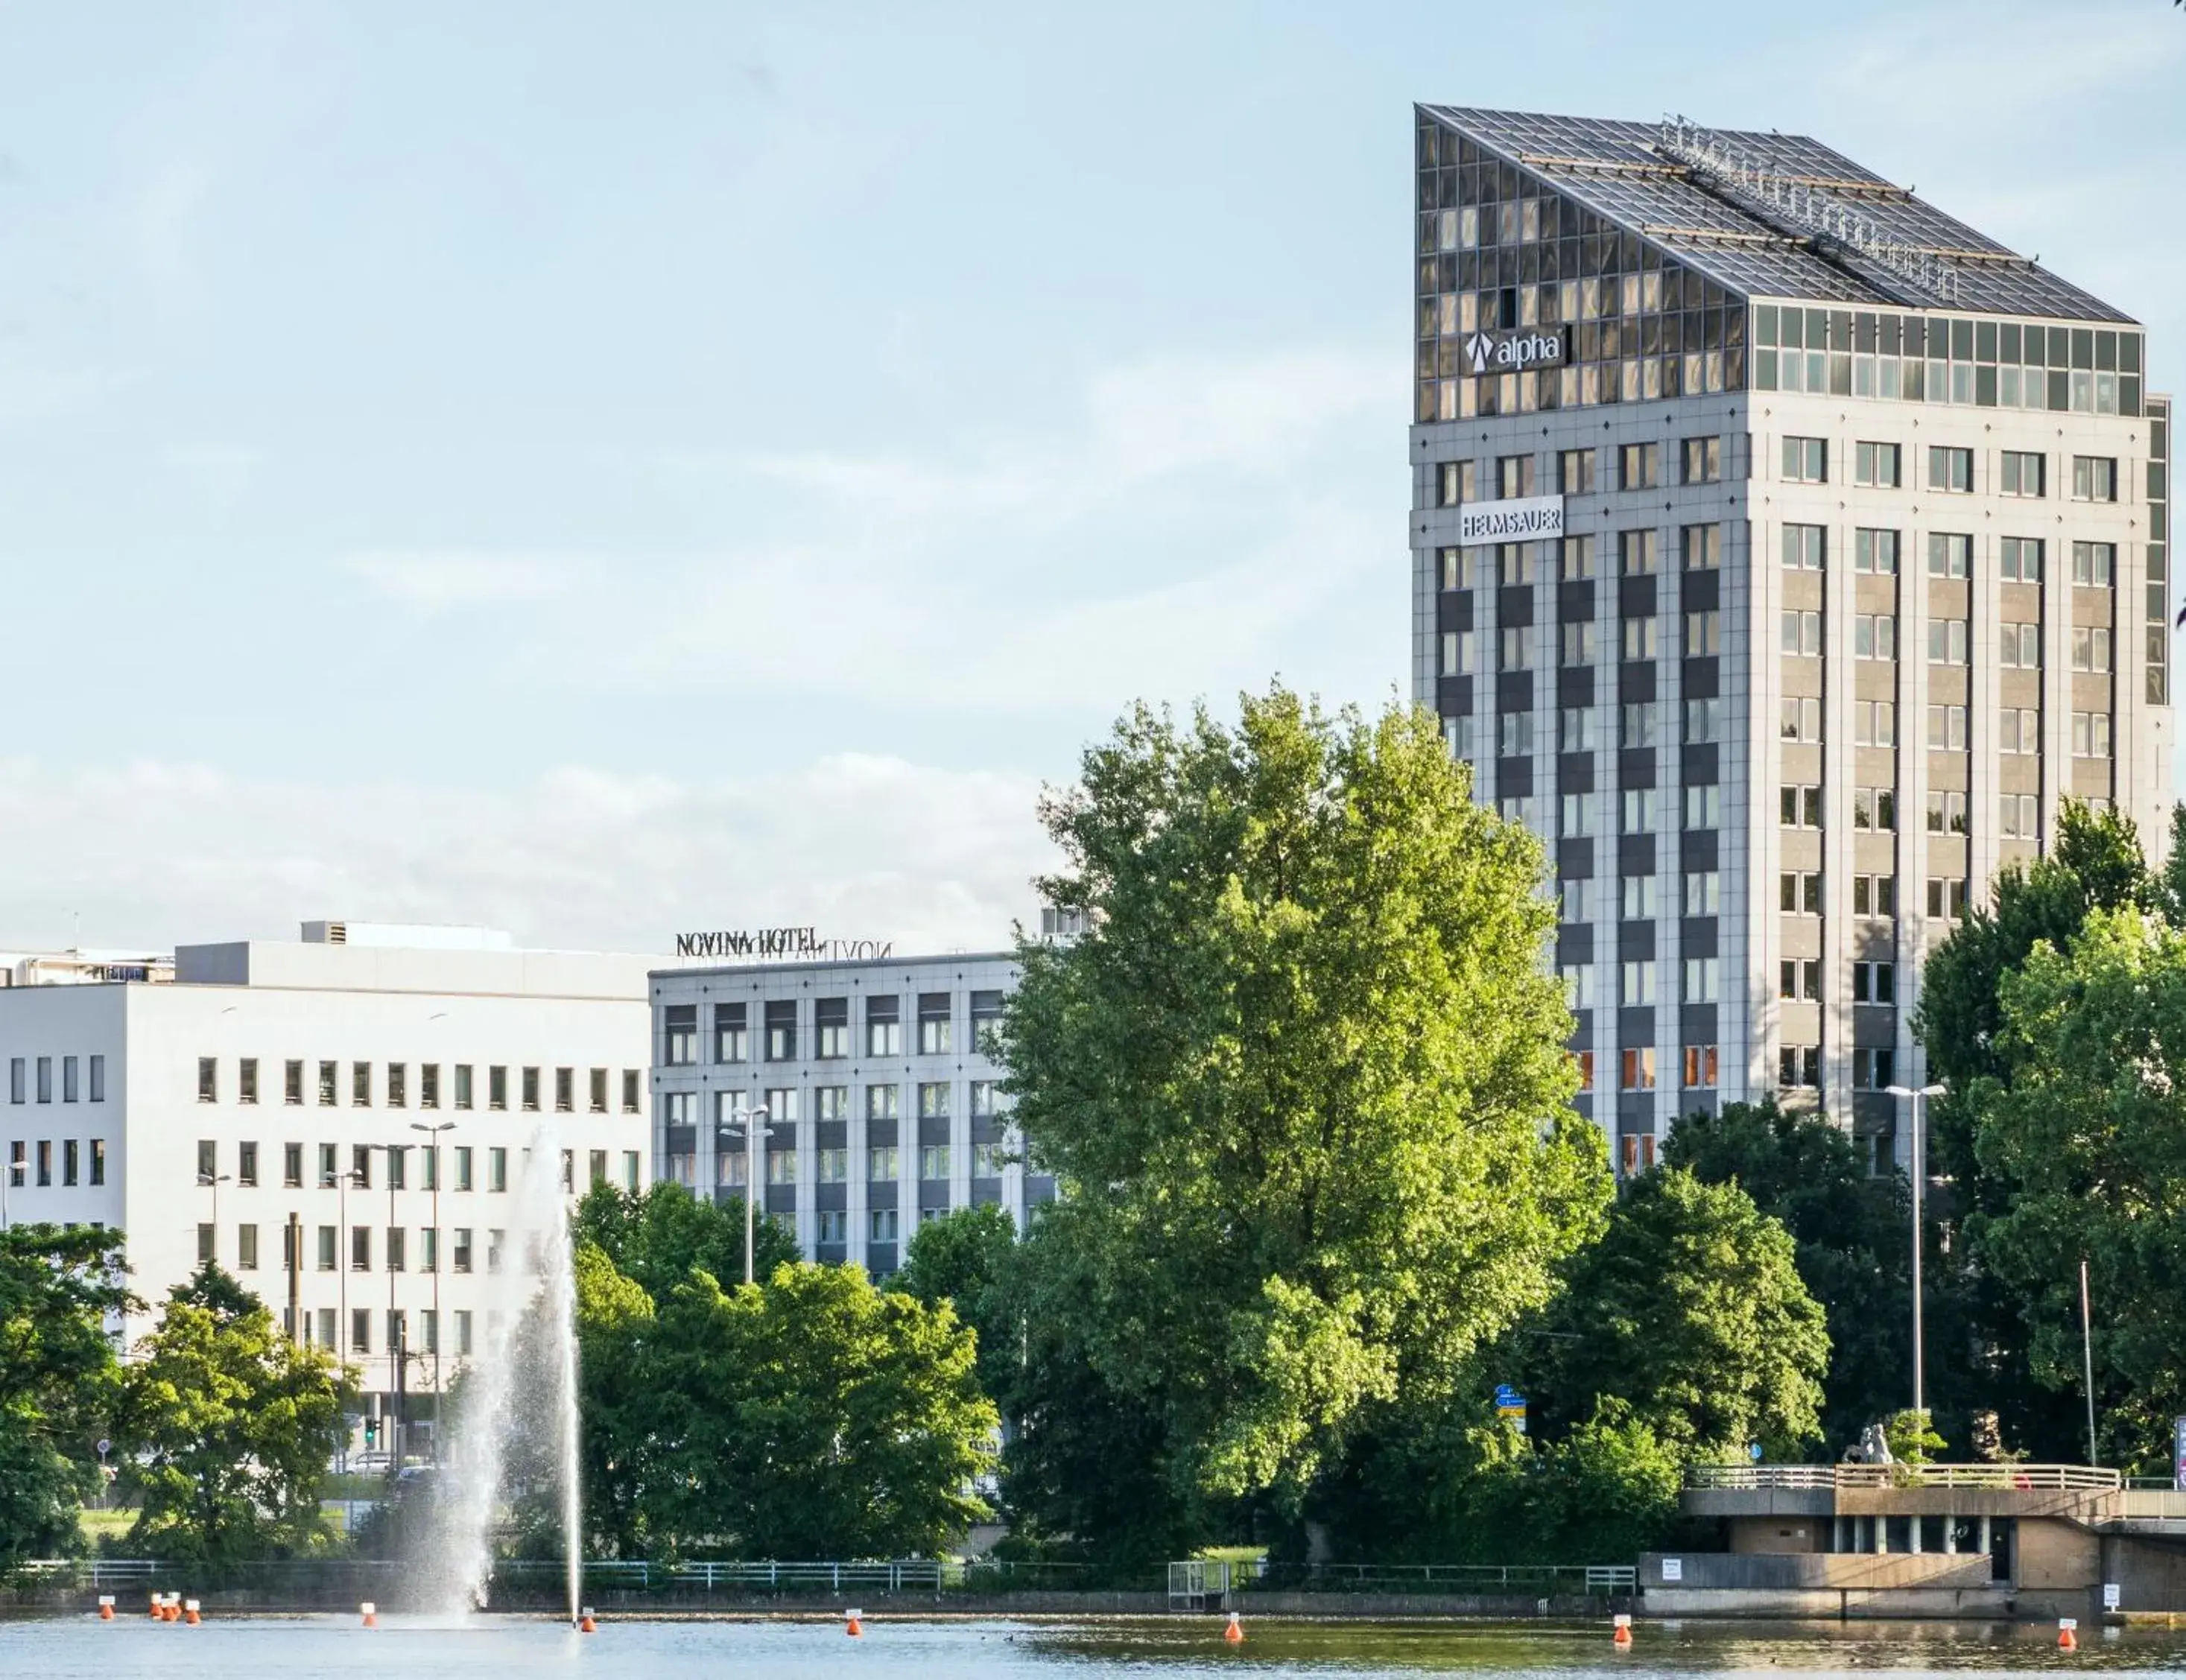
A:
(1773, 215)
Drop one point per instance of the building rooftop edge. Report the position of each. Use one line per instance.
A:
(779, 964)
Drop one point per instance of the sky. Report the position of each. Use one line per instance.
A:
(600, 470)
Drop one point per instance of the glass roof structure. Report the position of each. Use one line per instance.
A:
(1772, 215)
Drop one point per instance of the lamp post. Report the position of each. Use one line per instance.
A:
(754, 1123)
(1919, 1163)
(214, 1181)
(433, 1162)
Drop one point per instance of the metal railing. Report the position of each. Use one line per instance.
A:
(894, 1575)
(1195, 1581)
(2005, 1478)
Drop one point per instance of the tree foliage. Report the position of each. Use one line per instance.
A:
(57, 1378)
(1690, 1312)
(228, 1428)
(1303, 1080)
(967, 1259)
(657, 1235)
(811, 1415)
(1852, 1232)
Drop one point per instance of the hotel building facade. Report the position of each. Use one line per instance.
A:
(1784, 553)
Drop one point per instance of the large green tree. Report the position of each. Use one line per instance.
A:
(2081, 1131)
(1303, 1082)
(967, 1258)
(1690, 1312)
(227, 1428)
(58, 1378)
(1851, 1230)
(656, 1235)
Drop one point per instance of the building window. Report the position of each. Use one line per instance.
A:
(883, 1102)
(630, 1091)
(831, 1028)
(1799, 805)
(496, 1088)
(1703, 634)
(1799, 893)
(1799, 981)
(68, 1078)
(359, 1248)
(1874, 982)
(1514, 476)
(1874, 551)
(731, 1031)
(2020, 473)
(933, 1023)
(1947, 811)
(933, 1162)
(1806, 548)
(1701, 459)
(493, 1250)
(830, 1103)
(1947, 729)
(18, 1089)
(208, 1243)
(1515, 735)
(1637, 556)
(1802, 633)
(881, 1225)
(1946, 897)
(1578, 643)
(2019, 816)
(833, 1165)
(1801, 720)
(329, 1167)
(246, 1165)
(1799, 1066)
(1703, 891)
(987, 1023)
(1638, 465)
(1638, 1147)
(45, 1163)
(360, 1084)
(1457, 659)
(565, 1090)
(329, 1244)
(2094, 563)
(1636, 1070)
(2091, 647)
(781, 1030)
(1950, 468)
(1806, 460)
(463, 1181)
(2019, 559)
(463, 1085)
(359, 1166)
(1950, 554)
(1637, 987)
(2091, 735)
(1515, 645)
(496, 1170)
(1636, 897)
(882, 1164)
(2094, 478)
(781, 1165)
(246, 1248)
(98, 1161)
(782, 1106)
(1701, 547)
(1704, 806)
(1575, 558)
(2018, 731)
(1874, 1069)
(679, 1025)
(360, 1329)
(462, 1248)
(207, 1079)
(329, 1076)
(1456, 482)
(1700, 1067)
(1703, 981)
(1875, 636)
(596, 1091)
(71, 1161)
(1639, 638)
(934, 1099)
(1575, 470)
(1875, 809)
(1641, 810)
(1947, 640)
(630, 1171)
(1878, 466)
(208, 1161)
(18, 1162)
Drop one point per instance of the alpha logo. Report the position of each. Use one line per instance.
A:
(1490, 352)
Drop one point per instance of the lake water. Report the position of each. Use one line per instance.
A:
(1176, 1649)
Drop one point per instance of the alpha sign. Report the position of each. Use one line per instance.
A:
(1493, 351)
(1525, 519)
(765, 942)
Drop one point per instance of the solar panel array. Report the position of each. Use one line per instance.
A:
(1619, 169)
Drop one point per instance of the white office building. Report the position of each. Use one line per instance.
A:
(272, 1082)
(883, 1105)
(1785, 552)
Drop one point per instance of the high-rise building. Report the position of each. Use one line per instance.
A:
(1784, 553)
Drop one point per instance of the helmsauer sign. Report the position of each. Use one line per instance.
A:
(765, 942)
(1527, 518)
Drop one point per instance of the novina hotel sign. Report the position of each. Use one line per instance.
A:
(781, 944)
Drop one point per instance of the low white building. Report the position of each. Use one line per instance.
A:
(273, 1082)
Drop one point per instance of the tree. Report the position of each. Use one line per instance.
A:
(227, 1428)
(1981, 1325)
(964, 1258)
(57, 1381)
(656, 1235)
(1690, 1311)
(1304, 1085)
(2081, 1134)
(813, 1416)
(1852, 1232)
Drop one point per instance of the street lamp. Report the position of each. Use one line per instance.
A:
(1920, 1162)
(214, 1181)
(755, 1127)
(434, 1162)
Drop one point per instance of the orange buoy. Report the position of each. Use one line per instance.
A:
(371, 1614)
(159, 1610)
(2068, 1638)
(190, 1611)
(173, 1610)
(1621, 1639)
(585, 1624)
(106, 1607)
(1231, 1631)
(854, 1623)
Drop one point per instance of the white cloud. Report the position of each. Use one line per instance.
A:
(582, 857)
(434, 581)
